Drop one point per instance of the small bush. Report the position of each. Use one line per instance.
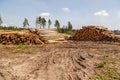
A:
(66, 31)
(101, 65)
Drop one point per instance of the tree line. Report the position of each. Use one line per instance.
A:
(41, 23)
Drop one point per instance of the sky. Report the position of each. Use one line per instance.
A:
(79, 12)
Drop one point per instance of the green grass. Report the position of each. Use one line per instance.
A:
(21, 48)
(106, 70)
(27, 49)
(101, 65)
(20, 45)
(14, 28)
(70, 32)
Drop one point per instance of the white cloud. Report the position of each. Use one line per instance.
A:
(45, 14)
(101, 13)
(66, 9)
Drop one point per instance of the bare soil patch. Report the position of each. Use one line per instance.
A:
(83, 60)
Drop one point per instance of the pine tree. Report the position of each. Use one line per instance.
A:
(70, 26)
(37, 22)
(57, 25)
(49, 23)
(63, 29)
(25, 23)
(43, 21)
(40, 21)
(1, 20)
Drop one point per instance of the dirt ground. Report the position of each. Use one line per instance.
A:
(72, 60)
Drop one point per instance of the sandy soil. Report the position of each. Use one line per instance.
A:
(60, 61)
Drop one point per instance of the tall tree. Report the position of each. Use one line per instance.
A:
(25, 23)
(43, 21)
(66, 29)
(40, 21)
(49, 23)
(37, 22)
(70, 26)
(63, 29)
(57, 25)
(1, 20)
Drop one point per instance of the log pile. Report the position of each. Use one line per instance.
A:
(95, 33)
(19, 37)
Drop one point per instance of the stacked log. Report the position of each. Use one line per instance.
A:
(95, 33)
(19, 37)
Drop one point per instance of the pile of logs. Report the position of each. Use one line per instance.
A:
(95, 33)
(19, 37)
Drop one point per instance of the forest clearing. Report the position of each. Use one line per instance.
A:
(42, 54)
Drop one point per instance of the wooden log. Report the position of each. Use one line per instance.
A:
(17, 37)
(94, 33)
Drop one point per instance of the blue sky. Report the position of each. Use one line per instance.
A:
(79, 12)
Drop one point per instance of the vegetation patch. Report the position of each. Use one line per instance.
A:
(107, 70)
(101, 65)
(26, 49)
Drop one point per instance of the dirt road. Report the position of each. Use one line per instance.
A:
(60, 61)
